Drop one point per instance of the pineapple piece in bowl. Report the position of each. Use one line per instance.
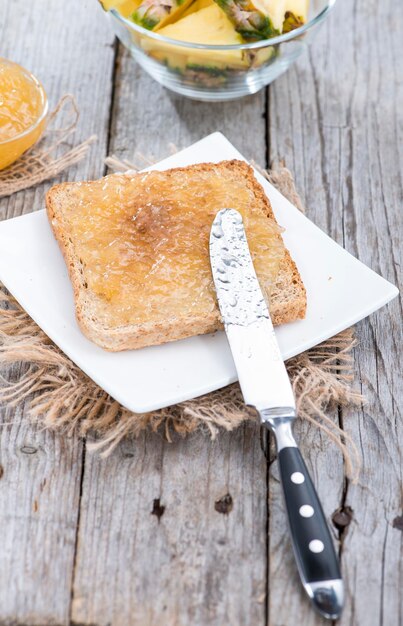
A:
(208, 26)
(197, 5)
(155, 14)
(299, 8)
(255, 19)
(296, 14)
(150, 14)
(125, 7)
(262, 19)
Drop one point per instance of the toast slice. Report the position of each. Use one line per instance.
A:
(136, 248)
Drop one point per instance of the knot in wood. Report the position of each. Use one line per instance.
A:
(224, 505)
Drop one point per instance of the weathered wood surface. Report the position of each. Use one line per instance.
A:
(372, 229)
(39, 498)
(84, 547)
(187, 563)
(336, 120)
(40, 473)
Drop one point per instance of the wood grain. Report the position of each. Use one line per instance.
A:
(41, 472)
(174, 533)
(336, 120)
(372, 225)
(38, 538)
(296, 135)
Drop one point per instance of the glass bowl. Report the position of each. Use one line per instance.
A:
(12, 148)
(216, 72)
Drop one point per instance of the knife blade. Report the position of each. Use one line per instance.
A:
(265, 385)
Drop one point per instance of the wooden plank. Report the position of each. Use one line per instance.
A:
(336, 120)
(193, 565)
(373, 194)
(39, 498)
(41, 472)
(295, 130)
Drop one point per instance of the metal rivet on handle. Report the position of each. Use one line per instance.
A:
(306, 510)
(316, 545)
(297, 478)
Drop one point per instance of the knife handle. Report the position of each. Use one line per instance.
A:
(314, 551)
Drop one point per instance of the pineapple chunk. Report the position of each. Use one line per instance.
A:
(299, 8)
(296, 14)
(197, 5)
(255, 19)
(274, 9)
(125, 7)
(155, 14)
(207, 26)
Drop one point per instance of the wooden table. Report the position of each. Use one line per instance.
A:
(135, 539)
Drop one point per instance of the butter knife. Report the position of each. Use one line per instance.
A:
(265, 385)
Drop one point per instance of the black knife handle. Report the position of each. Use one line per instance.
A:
(311, 537)
(313, 546)
(314, 551)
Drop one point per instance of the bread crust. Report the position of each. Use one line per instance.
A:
(287, 302)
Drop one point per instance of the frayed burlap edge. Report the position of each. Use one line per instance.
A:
(41, 163)
(61, 397)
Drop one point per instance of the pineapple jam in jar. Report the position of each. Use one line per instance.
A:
(23, 111)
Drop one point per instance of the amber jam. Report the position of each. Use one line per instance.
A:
(23, 109)
(144, 240)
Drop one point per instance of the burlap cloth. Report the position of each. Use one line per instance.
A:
(61, 397)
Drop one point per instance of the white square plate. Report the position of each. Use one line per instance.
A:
(340, 291)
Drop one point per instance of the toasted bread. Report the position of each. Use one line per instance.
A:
(136, 248)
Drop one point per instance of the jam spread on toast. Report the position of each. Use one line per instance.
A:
(143, 240)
